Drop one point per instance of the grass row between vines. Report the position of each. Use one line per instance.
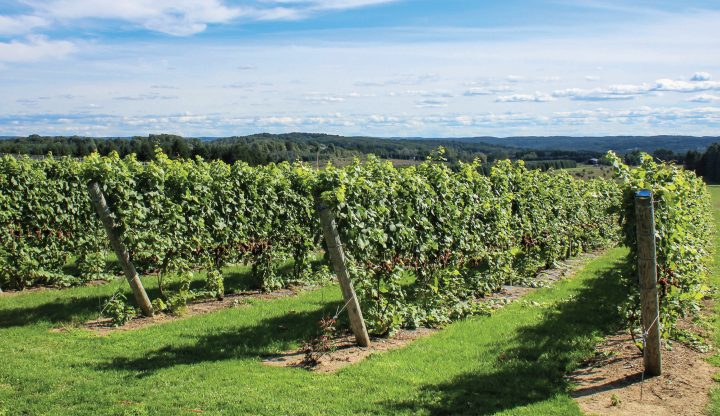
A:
(510, 363)
(714, 408)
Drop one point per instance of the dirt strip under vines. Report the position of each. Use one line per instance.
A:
(612, 383)
(347, 352)
(103, 326)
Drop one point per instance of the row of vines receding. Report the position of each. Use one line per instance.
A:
(683, 228)
(424, 243)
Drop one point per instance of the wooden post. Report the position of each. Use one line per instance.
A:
(647, 270)
(337, 257)
(103, 211)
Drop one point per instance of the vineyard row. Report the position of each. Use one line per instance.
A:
(423, 243)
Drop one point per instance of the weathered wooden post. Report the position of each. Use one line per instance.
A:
(103, 211)
(647, 271)
(337, 257)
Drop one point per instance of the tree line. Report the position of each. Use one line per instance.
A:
(264, 148)
(260, 149)
(705, 164)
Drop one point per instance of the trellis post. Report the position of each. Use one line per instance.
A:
(647, 271)
(337, 258)
(103, 211)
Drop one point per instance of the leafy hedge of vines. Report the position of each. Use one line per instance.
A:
(44, 216)
(425, 242)
(683, 226)
(174, 216)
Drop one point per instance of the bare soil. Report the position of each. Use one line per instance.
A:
(347, 352)
(612, 382)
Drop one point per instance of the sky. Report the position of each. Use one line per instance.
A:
(389, 68)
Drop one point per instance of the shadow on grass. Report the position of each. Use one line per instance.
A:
(70, 309)
(67, 308)
(533, 367)
(253, 340)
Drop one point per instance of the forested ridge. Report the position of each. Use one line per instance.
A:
(266, 148)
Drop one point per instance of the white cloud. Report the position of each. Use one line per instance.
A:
(406, 79)
(646, 115)
(173, 17)
(144, 97)
(630, 91)
(324, 99)
(356, 94)
(685, 86)
(488, 90)
(647, 120)
(705, 98)
(431, 103)
(328, 61)
(181, 17)
(422, 93)
(551, 78)
(18, 25)
(591, 78)
(34, 48)
(613, 92)
(537, 97)
(700, 76)
(334, 4)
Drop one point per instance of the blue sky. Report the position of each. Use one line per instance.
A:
(359, 67)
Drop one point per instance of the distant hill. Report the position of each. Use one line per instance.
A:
(265, 147)
(619, 144)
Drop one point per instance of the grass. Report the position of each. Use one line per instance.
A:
(513, 362)
(714, 407)
(591, 171)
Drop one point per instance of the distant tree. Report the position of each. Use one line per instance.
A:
(529, 156)
(180, 148)
(709, 165)
(146, 151)
(633, 158)
(692, 159)
(665, 155)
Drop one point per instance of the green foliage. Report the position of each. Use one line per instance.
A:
(176, 301)
(214, 284)
(117, 309)
(173, 215)
(550, 164)
(709, 164)
(264, 148)
(45, 215)
(425, 242)
(683, 226)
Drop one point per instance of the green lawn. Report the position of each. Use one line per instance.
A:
(715, 279)
(510, 363)
(591, 171)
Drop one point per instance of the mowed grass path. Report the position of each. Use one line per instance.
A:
(510, 363)
(715, 280)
